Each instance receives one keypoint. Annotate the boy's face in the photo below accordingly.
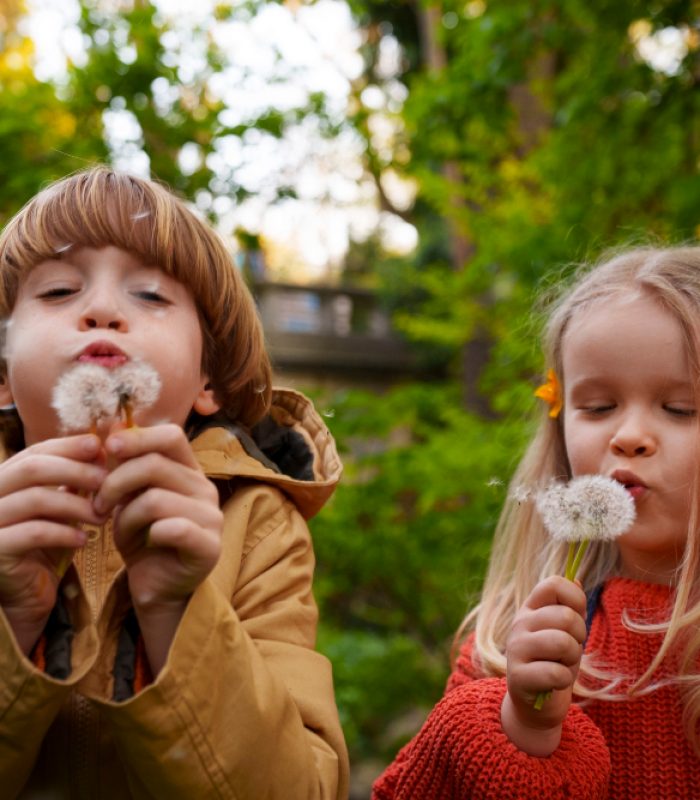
(102, 306)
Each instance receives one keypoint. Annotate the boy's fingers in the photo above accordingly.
(46, 469)
(169, 440)
(45, 503)
(39, 534)
(158, 505)
(153, 470)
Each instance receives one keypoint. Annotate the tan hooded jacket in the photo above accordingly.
(244, 707)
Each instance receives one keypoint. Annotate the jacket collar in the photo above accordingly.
(291, 449)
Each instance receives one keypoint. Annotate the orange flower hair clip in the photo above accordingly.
(550, 392)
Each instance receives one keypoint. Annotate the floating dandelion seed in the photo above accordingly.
(521, 494)
(83, 396)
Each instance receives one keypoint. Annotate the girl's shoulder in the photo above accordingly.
(466, 666)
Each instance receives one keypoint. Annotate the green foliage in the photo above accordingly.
(545, 139)
(403, 545)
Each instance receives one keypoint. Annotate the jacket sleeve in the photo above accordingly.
(462, 751)
(30, 699)
(244, 707)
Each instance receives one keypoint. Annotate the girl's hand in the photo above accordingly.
(167, 526)
(543, 652)
(42, 500)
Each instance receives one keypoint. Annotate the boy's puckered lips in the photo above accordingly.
(104, 353)
(633, 483)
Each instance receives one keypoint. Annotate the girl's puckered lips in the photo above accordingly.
(104, 353)
(633, 483)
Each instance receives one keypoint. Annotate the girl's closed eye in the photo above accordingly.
(597, 409)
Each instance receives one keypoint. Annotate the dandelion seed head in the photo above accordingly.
(84, 395)
(138, 383)
(590, 507)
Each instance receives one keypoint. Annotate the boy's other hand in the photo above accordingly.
(167, 525)
(543, 652)
(43, 498)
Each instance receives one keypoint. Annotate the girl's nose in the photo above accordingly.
(633, 438)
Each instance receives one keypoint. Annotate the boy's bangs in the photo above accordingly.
(97, 209)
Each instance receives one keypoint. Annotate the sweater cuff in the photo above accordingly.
(462, 751)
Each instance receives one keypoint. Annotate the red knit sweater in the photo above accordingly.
(628, 750)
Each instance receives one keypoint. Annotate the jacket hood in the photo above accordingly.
(291, 449)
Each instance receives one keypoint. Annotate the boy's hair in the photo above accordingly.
(99, 207)
(672, 277)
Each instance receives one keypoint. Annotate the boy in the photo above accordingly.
(174, 658)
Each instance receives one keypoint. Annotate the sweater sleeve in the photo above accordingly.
(244, 706)
(462, 751)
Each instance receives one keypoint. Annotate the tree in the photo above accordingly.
(539, 133)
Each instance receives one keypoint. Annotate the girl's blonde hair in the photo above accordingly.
(672, 277)
(99, 207)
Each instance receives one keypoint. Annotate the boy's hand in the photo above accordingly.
(167, 526)
(40, 509)
(543, 652)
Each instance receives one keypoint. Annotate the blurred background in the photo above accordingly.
(397, 180)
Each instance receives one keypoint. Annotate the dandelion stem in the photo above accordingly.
(570, 559)
(571, 575)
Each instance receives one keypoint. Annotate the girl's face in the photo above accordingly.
(629, 413)
(106, 307)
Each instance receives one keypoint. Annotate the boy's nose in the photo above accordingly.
(102, 312)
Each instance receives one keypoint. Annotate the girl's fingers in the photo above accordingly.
(561, 618)
(541, 676)
(557, 591)
(548, 645)
(46, 503)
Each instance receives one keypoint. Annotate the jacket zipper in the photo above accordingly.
(84, 719)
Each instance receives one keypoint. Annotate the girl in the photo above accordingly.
(620, 649)
(157, 625)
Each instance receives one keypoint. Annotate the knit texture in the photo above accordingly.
(613, 750)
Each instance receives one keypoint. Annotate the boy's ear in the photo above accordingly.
(205, 403)
(6, 398)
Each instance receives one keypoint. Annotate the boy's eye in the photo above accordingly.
(681, 411)
(151, 296)
(56, 293)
